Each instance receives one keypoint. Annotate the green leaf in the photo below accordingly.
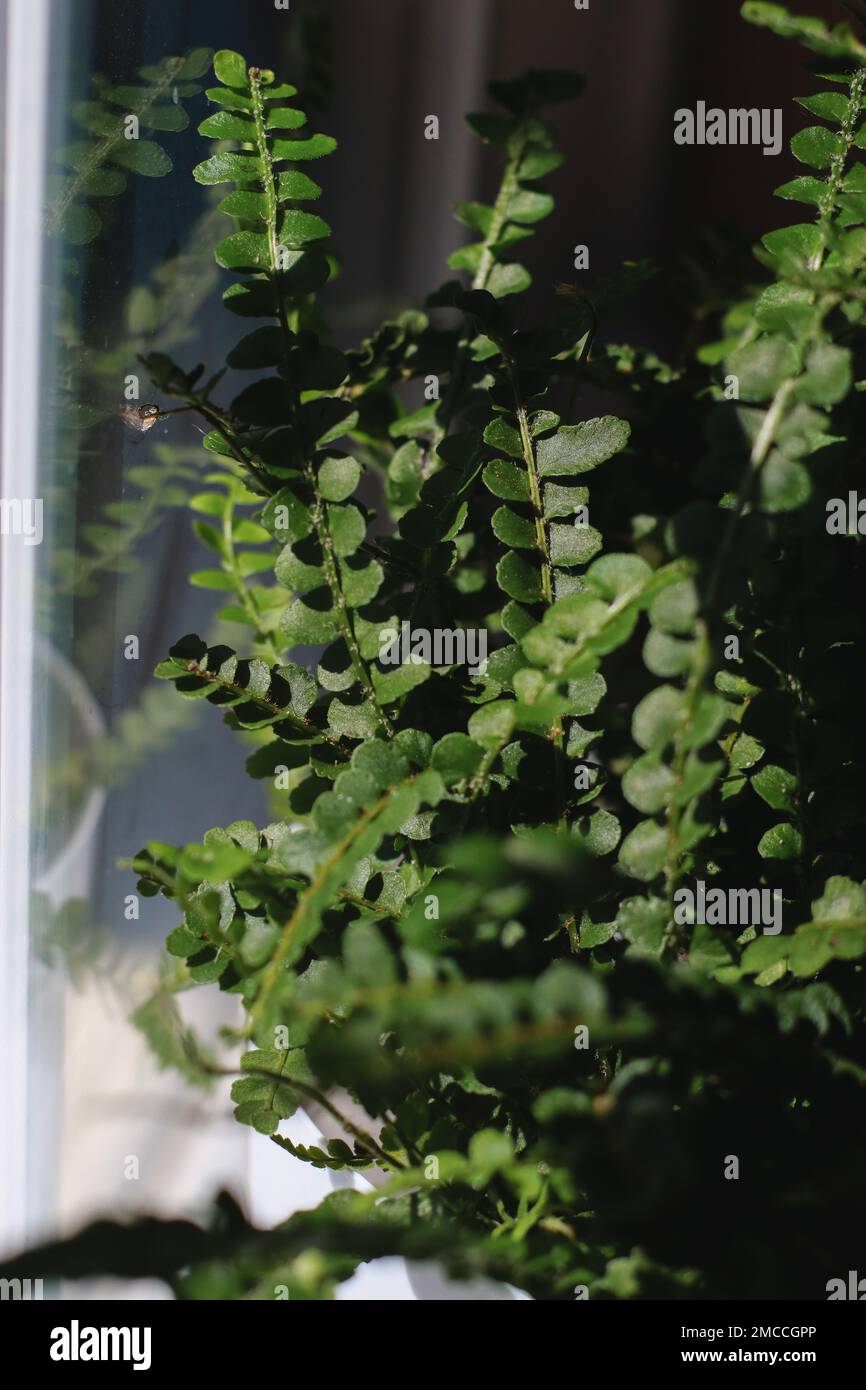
(809, 951)
(212, 579)
(213, 862)
(658, 717)
(244, 251)
(762, 366)
(295, 573)
(369, 964)
(297, 228)
(513, 530)
(800, 242)
(351, 721)
(211, 503)
(293, 184)
(309, 620)
(782, 841)
(504, 437)
(287, 516)
(361, 581)
(510, 278)
(592, 934)
(264, 347)
(209, 536)
(708, 715)
(841, 899)
(456, 758)
(830, 106)
(643, 922)
(745, 752)
(783, 484)
(777, 787)
(230, 68)
(539, 162)
(478, 216)
(507, 480)
(573, 545)
(648, 783)
(232, 100)
(542, 422)
(228, 167)
(338, 476)
(143, 157)
(493, 724)
(642, 853)
(261, 1101)
(708, 950)
(787, 309)
(563, 499)
(519, 579)
(284, 118)
(251, 299)
(347, 528)
(313, 148)
(840, 43)
(817, 146)
(228, 125)
(598, 833)
(613, 576)
(675, 608)
(493, 130)
(527, 206)
(80, 224)
(667, 656)
(804, 189)
(392, 685)
(827, 378)
(579, 448)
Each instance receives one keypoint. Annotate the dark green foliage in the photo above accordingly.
(465, 911)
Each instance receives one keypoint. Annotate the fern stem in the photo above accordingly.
(313, 1093)
(318, 511)
(507, 189)
(344, 618)
(300, 723)
(556, 734)
(271, 206)
(837, 166)
(541, 538)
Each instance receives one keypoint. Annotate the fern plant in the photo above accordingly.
(468, 909)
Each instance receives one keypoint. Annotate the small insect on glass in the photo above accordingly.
(142, 417)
